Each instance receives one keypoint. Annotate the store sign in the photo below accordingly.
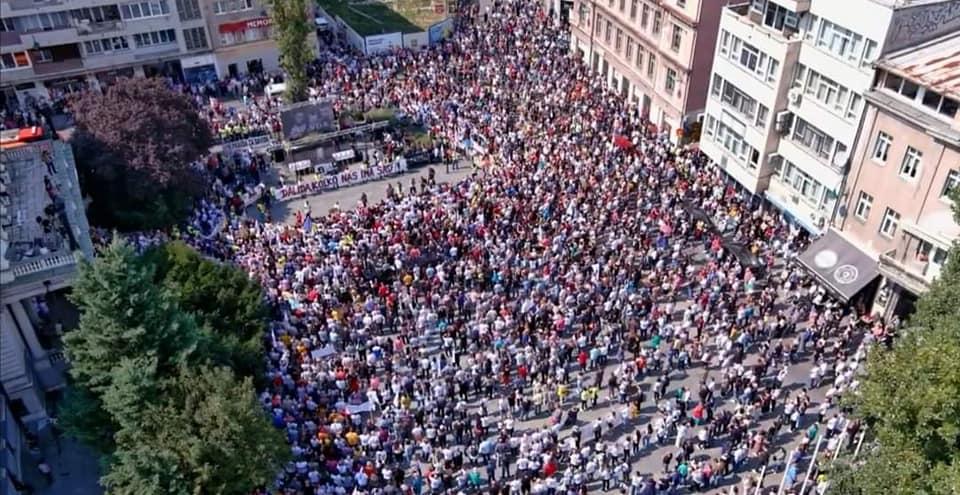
(234, 27)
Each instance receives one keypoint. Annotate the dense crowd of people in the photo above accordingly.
(533, 327)
(528, 329)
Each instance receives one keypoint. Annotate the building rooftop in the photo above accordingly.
(934, 64)
(42, 221)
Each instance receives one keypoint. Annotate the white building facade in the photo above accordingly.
(787, 92)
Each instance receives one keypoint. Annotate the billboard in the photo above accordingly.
(303, 119)
(383, 42)
(440, 30)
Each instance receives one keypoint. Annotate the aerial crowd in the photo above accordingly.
(590, 297)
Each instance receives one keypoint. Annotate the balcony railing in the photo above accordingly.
(10, 38)
(44, 68)
(84, 28)
(44, 264)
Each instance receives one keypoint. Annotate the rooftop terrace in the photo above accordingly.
(43, 227)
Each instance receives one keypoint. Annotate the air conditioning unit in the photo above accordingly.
(723, 160)
(83, 26)
(795, 95)
(795, 198)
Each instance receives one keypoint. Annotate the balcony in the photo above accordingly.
(10, 38)
(85, 27)
(756, 19)
(46, 68)
(914, 275)
(798, 6)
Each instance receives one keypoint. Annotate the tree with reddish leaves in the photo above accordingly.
(134, 146)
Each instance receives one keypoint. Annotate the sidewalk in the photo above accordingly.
(75, 467)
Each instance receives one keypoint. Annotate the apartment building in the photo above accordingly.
(12, 446)
(787, 98)
(657, 53)
(50, 45)
(906, 162)
(43, 235)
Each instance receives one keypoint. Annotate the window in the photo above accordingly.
(677, 38)
(836, 97)
(853, 108)
(843, 42)
(717, 85)
(15, 60)
(803, 183)
(42, 55)
(864, 203)
(651, 66)
(188, 9)
(670, 84)
(682, 3)
(107, 45)
(910, 167)
(772, 66)
(881, 149)
(657, 21)
(251, 34)
(47, 21)
(227, 6)
(888, 226)
(628, 53)
(195, 38)
(724, 42)
(711, 126)
(619, 42)
(951, 183)
(733, 142)
(639, 61)
(167, 36)
(813, 139)
(762, 113)
(738, 100)
(633, 9)
(622, 5)
(608, 32)
(144, 9)
(749, 57)
(7, 25)
(938, 103)
(645, 16)
(598, 28)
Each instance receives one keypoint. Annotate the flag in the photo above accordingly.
(308, 224)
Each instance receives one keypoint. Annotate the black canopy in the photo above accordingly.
(839, 264)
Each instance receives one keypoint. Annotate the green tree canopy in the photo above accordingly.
(208, 435)
(910, 398)
(228, 305)
(292, 25)
(131, 334)
(134, 146)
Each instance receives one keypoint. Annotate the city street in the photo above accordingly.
(650, 461)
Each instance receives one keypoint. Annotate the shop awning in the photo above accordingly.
(840, 265)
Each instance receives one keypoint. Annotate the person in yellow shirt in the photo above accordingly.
(562, 392)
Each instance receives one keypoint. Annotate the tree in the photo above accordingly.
(134, 147)
(227, 304)
(131, 334)
(910, 398)
(209, 435)
(292, 26)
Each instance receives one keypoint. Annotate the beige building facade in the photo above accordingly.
(657, 53)
(905, 165)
